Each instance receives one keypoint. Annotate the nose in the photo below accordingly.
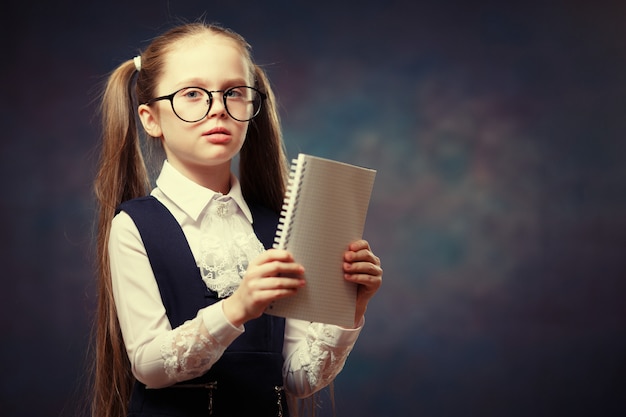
(218, 108)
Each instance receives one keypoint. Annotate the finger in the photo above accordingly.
(271, 255)
(370, 283)
(265, 297)
(271, 284)
(278, 268)
(364, 268)
(358, 245)
(363, 255)
(265, 290)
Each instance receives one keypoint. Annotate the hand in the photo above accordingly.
(361, 266)
(270, 276)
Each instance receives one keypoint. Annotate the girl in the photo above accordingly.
(186, 273)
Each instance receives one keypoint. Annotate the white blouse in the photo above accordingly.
(160, 356)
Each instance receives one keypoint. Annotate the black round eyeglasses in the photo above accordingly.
(192, 104)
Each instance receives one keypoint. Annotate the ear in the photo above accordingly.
(150, 121)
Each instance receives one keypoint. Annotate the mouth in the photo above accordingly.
(217, 135)
(217, 131)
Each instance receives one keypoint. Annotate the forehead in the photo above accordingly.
(208, 58)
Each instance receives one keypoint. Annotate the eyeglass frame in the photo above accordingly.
(170, 97)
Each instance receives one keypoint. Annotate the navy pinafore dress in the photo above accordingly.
(247, 379)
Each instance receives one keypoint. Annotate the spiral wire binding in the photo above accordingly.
(290, 203)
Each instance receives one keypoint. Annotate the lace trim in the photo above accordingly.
(223, 263)
(320, 361)
(189, 351)
(224, 254)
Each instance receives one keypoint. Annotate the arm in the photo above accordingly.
(315, 353)
(159, 356)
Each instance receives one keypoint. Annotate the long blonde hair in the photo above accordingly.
(122, 175)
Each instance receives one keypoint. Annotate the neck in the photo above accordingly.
(216, 178)
(218, 181)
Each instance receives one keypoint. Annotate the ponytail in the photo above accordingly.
(121, 176)
(263, 161)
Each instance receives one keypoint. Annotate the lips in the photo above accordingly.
(217, 135)
(217, 131)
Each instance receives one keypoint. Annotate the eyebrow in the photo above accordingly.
(199, 82)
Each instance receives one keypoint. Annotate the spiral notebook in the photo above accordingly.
(324, 209)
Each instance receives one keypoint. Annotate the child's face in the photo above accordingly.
(215, 63)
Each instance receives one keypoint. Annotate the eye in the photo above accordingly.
(236, 93)
(192, 94)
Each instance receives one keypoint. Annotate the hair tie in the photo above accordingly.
(137, 61)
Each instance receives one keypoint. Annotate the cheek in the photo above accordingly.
(172, 126)
(243, 132)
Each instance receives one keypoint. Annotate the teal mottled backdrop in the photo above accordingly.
(499, 209)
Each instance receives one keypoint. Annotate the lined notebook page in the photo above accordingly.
(324, 210)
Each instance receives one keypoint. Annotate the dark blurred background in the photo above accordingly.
(499, 210)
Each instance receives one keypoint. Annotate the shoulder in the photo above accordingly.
(141, 203)
(123, 231)
(124, 223)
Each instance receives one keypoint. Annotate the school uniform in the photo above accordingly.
(170, 271)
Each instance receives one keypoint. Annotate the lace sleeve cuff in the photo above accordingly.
(337, 336)
(192, 348)
(317, 353)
